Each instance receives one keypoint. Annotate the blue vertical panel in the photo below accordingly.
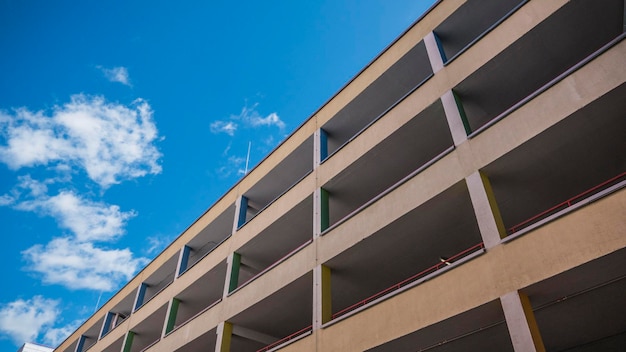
(106, 326)
(440, 46)
(80, 344)
(140, 295)
(184, 259)
(323, 145)
(243, 210)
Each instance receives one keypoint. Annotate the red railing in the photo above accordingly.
(566, 204)
(432, 269)
(285, 339)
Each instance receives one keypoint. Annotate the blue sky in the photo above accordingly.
(121, 122)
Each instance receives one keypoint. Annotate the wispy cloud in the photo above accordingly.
(88, 220)
(249, 117)
(78, 261)
(116, 74)
(77, 265)
(272, 119)
(54, 336)
(110, 142)
(23, 320)
(224, 127)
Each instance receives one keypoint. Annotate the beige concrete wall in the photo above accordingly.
(572, 240)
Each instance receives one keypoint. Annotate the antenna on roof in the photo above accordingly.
(247, 158)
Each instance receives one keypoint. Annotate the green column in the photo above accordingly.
(324, 210)
(234, 273)
(459, 105)
(128, 342)
(171, 319)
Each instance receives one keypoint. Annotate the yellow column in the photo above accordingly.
(224, 336)
(520, 320)
(486, 209)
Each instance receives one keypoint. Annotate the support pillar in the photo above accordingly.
(172, 311)
(435, 52)
(183, 260)
(486, 209)
(455, 115)
(520, 320)
(80, 344)
(141, 293)
(106, 325)
(322, 296)
(233, 265)
(224, 336)
(241, 210)
(128, 341)
(324, 210)
(321, 146)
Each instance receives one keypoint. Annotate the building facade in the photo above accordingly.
(464, 192)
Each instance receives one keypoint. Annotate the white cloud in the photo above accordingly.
(23, 320)
(224, 127)
(250, 118)
(110, 141)
(116, 74)
(269, 120)
(77, 265)
(54, 336)
(36, 188)
(234, 165)
(88, 220)
(6, 199)
(157, 243)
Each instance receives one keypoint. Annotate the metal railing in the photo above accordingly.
(444, 263)
(286, 339)
(565, 204)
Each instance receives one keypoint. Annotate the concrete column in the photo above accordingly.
(80, 344)
(486, 209)
(224, 336)
(455, 116)
(128, 341)
(320, 211)
(141, 293)
(233, 264)
(520, 320)
(435, 51)
(106, 325)
(322, 298)
(183, 260)
(324, 210)
(241, 210)
(320, 147)
(170, 321)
